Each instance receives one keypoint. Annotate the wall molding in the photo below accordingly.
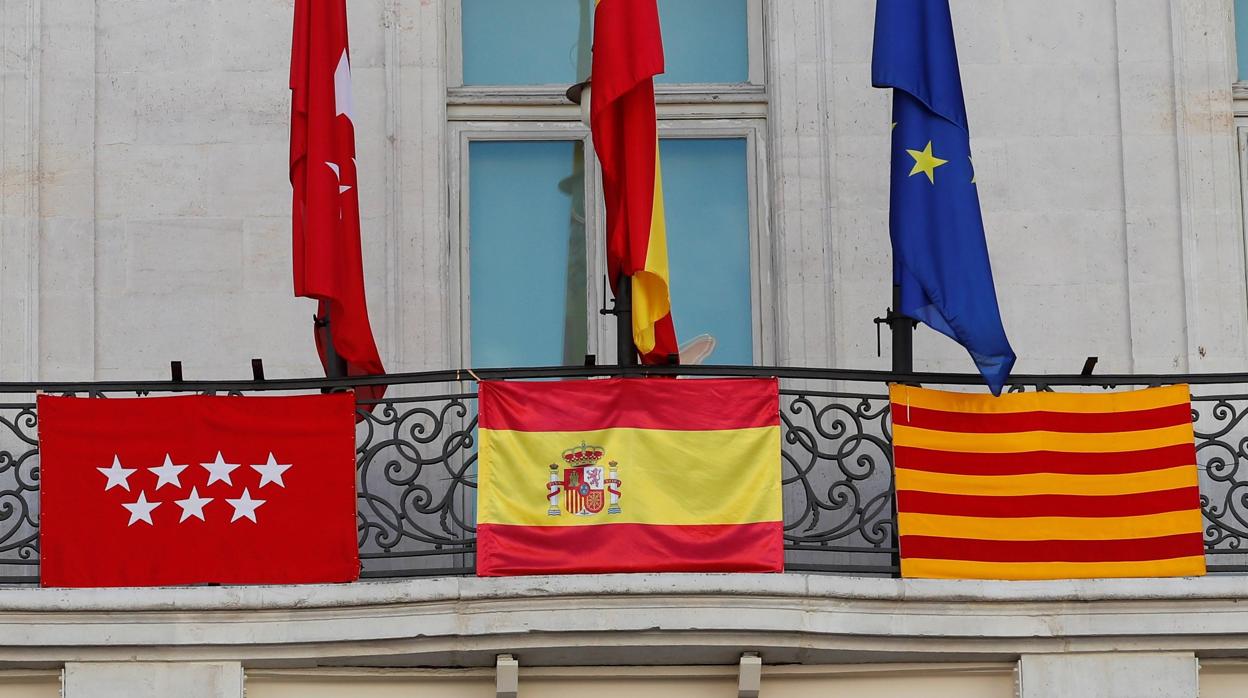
(1209, 185)
(641, 620)
(20, 45)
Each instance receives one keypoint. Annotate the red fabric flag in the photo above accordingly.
(641, 475)
(1047, 485)
(197, 489)
(628, 53)
(326, 213)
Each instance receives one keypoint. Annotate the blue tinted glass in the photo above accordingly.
(540, 42)
(708, 240)
(526, 42)
(704, 41)
(1241, 36)
(527, 252)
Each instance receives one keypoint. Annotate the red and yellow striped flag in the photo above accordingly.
(1046, 485)
(628, 53)
(629, 475)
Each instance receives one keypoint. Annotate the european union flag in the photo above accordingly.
(940, 258)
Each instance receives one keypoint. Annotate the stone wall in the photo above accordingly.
(673, 634)
(144, 199)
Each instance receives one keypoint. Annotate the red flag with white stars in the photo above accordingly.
(328, 261)
(197, 490)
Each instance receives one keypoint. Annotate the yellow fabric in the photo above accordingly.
(1046, 483)
(651, 287)
(1051, 527)
(1060, 441)
(977, 403)
(667, 477)
(961, 569)
(951, 524)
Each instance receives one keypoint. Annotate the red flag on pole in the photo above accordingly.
(197, 489)
(328, 262)
(628, 53)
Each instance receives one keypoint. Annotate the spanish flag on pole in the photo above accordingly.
(628, 53)
(629, 475)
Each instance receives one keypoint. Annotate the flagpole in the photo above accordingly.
(625, 350)
(902, 328)
(335, 365)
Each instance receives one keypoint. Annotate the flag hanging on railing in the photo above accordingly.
(629, 475)
(628, 53)
(197, 489)
(328, 260)
(940, 257)
(1046, 485)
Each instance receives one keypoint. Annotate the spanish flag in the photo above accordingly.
(628, 53)
(629, 475)
(1047, 485)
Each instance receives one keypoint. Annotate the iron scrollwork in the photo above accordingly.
(19, 492)
(837, 480)
(416, 459)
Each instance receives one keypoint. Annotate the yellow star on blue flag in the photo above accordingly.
(940, 257)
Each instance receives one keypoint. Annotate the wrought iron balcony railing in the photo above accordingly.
(416, 461)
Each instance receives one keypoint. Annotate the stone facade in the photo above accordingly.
(145, 198)
(817, 635)
(144, 218)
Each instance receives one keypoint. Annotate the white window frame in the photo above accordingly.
(458, 93)
(542, 113)
(600, 331)
(463, 134)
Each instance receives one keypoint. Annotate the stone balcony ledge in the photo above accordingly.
(625, 619)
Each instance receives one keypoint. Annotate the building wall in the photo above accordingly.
(676, 634)
(864, 681)
(145, 196)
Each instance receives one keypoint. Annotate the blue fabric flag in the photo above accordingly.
(940, 258)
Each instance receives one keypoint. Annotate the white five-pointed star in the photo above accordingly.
(219, 470)
(117, 476)
(141, 509)
(244, 506)
(192, 505)
(271, 471)
(168, 473)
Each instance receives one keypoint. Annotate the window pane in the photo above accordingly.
(705, 41)
(708, 238)
(526, 42)
(541, 42)
(527, 252)
(1241, 36)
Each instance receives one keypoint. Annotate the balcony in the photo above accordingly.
(416, 461)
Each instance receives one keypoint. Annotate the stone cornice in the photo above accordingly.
(627, 619)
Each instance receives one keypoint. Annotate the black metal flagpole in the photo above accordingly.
(335, 365)
(625, 349)
(902, 328)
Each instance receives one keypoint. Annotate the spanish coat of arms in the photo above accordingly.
(587, 486)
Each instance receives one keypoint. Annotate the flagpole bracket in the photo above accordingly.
(896, 322)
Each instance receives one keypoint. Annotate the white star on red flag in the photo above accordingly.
(192, 506)
(117, 475)
(271, 471)
(140, 509)
(168, 473)
(245, 506)
(219, 470)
